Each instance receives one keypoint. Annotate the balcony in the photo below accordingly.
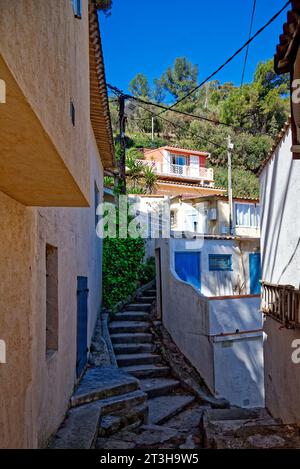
(32, 170)
(282, 303)
(181, 171)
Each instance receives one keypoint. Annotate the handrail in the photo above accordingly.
(281, 302)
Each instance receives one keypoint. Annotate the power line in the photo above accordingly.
(184, 129)
(115, 90)
(232, 56)
(247, 49)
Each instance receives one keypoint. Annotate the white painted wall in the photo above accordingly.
(280, 240)
(239, 371)
(234, 314)
(238, 356)
(220, 283)
(231, 365)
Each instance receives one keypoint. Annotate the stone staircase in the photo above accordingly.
(106, 400)
(135, 352)
(141, 392)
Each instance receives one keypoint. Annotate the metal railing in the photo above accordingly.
(281, 302)
(206, 174)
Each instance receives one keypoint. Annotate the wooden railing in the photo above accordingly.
(281, 302)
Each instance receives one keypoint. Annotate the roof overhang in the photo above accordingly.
(99, 107)
(289, 40)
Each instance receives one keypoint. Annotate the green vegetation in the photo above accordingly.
(124, 268)
(258, 109)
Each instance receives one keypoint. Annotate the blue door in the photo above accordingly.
(255, 273)
(187, 267)
(82, 318)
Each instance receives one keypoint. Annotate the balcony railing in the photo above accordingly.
(168, 169)
(281, 302)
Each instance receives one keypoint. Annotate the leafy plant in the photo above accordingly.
(122, 268)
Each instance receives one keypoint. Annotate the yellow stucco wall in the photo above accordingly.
(46, 49)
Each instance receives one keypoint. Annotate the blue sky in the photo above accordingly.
(145, 36)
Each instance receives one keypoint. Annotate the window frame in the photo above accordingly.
(77, 8)
(256, 216)
(174, 156)
(218, 269)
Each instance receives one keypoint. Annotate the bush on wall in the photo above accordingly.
(123, 269)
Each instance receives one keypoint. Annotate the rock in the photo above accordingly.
(80, 428)
(189, 443)
(154, 435)
(265, 442)
(112, 443)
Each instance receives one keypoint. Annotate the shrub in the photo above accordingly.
(122, 268)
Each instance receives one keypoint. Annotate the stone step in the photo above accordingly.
(163, 408)
(159, 386)
(114, 404)
(147, 371)
(145, 299)
(137, 359)
(131, 338)
(99, 383)
(151, 292)
(110, 424)
(132, 316)
(80, 428)
(133, 348)
(119, 327)
(138, 307)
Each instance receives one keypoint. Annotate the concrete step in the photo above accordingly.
(145, 299)
(119, 327)
(151, 292)
(80, 428)
(111, 405)
(163, 408)
(147, 371)
(159, 386)
(132, 316)
(133, 348)
(131, 338)
(110, 424)
(137, 359)
(138, 307)
(99, 383)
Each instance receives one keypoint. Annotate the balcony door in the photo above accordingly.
(178, 164)
(194, 166)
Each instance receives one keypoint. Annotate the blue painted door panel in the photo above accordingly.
(188, 268)
(82, 319)
(255, 273)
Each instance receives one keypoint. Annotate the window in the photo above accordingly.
(173, 218)
(76, 4)
(247, 215)
(51, 300)
(220, 262)
(178, 159)
(72, 112)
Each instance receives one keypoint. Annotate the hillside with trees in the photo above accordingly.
(251, 114)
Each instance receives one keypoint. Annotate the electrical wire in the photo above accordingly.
(251, 39)
(165, 108)
(247, 49)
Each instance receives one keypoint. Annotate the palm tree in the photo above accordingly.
(134, 171)
(150, 179)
